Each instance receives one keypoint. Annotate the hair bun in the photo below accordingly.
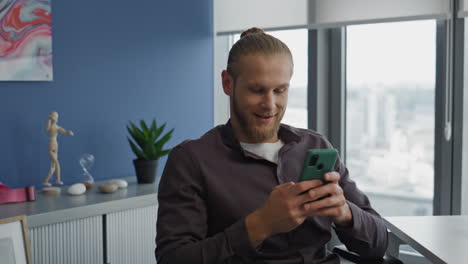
(253, 30)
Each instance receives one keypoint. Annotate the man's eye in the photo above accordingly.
(257, 91)
(279, 91)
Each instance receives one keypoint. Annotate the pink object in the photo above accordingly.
(8, 195)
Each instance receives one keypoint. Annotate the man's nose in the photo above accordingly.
(268, 101)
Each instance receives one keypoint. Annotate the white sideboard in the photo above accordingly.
(91, 228)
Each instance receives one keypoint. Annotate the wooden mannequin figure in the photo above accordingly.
(53, 129)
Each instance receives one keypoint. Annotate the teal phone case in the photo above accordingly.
(317, 163)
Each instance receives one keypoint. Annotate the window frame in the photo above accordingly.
(448, 154)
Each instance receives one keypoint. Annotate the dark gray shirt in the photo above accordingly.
(211, 184)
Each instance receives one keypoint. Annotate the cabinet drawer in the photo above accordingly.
(78, 241)
(131, 235)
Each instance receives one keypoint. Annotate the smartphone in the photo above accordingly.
(317, 163)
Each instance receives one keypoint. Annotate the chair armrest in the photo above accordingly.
(353, 257)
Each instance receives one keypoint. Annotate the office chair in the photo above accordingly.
(391, 255)
(355, 258)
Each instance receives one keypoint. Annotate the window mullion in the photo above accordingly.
(317, 98)
(458, 94)
(327, 80)
(443, 148)
(337, 98)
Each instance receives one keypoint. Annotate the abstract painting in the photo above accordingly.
(25, 40)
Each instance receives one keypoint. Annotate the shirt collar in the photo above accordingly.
(286, 134)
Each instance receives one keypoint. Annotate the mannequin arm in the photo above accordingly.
(63, 131)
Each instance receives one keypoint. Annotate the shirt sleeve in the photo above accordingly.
(367, 236)
(182, 219)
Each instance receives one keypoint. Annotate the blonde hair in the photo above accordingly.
(252, 42)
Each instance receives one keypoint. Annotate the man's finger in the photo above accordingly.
(330, 189)
(304, 186)
(327, 211)
(329, 202)
(285, 185)
(307, 197)
(332, 176)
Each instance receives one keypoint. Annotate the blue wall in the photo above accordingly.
(114, 61)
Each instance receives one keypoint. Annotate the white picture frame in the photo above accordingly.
(14, 241)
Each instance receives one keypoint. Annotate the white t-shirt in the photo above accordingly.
(268, 151)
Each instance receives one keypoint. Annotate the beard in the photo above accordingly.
(249, 127)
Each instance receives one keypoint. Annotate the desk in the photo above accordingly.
(441, 239)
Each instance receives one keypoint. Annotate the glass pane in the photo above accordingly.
(390, 102)
(297, 41)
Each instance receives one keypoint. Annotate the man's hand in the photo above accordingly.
(290, 204)
(329, 200)
(282, 212)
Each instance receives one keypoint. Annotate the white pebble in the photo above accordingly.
(77, 189)
(108, 188)
(121, 183)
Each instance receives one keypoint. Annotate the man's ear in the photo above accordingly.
(228, 83)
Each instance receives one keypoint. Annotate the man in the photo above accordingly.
(233, 195)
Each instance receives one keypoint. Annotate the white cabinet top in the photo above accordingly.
(54, 209)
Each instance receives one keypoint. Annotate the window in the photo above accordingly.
(390, 114)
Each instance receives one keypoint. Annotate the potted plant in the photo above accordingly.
(147, 144)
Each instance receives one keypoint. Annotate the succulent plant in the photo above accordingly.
(147, 143)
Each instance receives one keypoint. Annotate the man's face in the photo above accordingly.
(259, 96)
